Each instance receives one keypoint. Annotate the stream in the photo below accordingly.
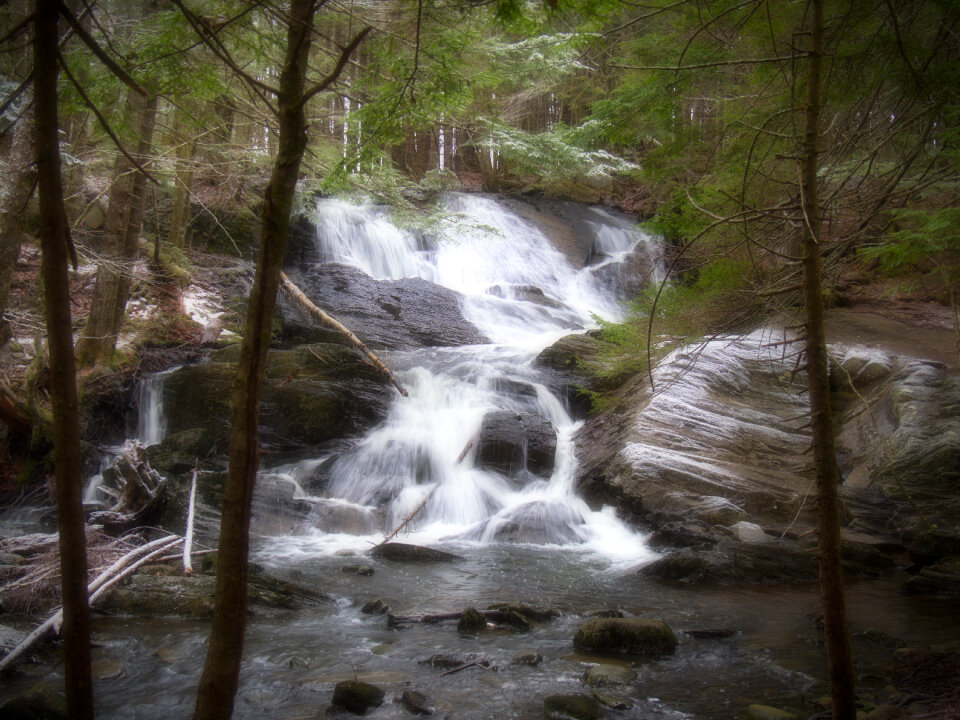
(524, 535)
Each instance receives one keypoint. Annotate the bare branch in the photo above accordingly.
(99, 52)
(341, 63)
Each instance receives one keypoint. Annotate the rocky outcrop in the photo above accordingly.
(391, 314)
(717, 454)
(510, 443)
(312, 394)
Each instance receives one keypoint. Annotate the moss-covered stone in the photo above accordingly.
(633, 636)
(471, 621)
(570, 707)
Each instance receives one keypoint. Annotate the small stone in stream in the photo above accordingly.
(614, 702)
(530, 658)
(40, 702)
(570, 707)
(605, 676)
(345, 552)
(375, 607)
(364, 570)
(471, 621)
(356, 696)
(417, 703)
(765, 712)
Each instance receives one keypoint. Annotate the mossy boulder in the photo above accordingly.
(471, 621)
(356, 696)
(38, 703)
(311, 395)
(631, 636)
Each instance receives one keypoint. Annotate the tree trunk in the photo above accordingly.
(824, 452)
(221, 671)
(121, 236)
(55, 242)
(18, 183)
(183, 179)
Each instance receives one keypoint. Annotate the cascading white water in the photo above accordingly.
(522, 293)
(151, 425)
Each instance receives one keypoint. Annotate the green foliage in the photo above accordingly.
(925, 245)
(684, 311)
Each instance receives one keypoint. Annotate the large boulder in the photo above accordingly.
(312, 394)
(511, 443)
(392, 314)
(569, 367)
(736, 562)
(630, 636)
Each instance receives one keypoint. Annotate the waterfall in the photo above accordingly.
(523, 293)
(151, 426)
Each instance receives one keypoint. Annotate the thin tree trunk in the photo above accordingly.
(837, 634)
(221, 671)
(55, 242)
(182, 180)
(122, 230)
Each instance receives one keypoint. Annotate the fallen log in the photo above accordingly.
(188, 537)
(116, 572)
(331, 322)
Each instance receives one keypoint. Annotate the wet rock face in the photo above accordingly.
(391, 314)
(312, 394)
(718, 454)
(511, 442)
(567, 365)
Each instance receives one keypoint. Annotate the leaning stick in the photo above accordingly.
(418, 508)
(331, 322)
(188, 537)
(95, 590)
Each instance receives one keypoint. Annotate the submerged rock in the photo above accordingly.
(633, 636)
(765, 712)
(416, 702)
(940, 578)
(570, 707)
(411, 553)
(606, 676)
(356, 696)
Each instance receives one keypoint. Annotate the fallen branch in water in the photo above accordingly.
(331, 322)
(126, 565)
(485, 664)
